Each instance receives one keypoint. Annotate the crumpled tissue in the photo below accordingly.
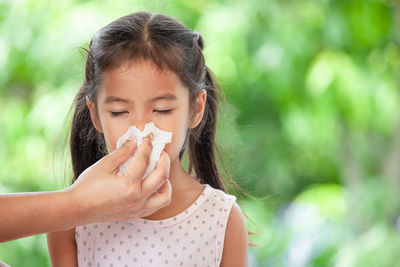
(159, 139)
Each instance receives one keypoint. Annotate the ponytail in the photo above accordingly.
(87, 145)
(202, 139)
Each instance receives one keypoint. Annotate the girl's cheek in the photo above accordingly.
(178, 139)
(111, 142)
(112, 133)
(168, 148)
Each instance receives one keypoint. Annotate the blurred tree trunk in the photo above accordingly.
(391, 163)
(351, 169)
(351, 175)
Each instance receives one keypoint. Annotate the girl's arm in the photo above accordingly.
(235, 243)
(62, 248)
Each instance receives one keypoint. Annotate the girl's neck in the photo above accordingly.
(180, 180)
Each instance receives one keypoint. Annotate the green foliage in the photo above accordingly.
(311, 123)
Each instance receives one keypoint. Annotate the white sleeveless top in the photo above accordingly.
(195, 237)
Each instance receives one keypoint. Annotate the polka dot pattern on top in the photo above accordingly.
(194, 237)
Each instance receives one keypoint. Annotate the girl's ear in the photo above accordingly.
(200, 105)
(93, 116)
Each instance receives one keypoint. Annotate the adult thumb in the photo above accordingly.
(112, 161)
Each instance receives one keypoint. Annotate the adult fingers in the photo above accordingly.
(112, 161)
(141, 160)
(160, 198)
(157, 177)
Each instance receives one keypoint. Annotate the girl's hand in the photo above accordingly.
(101, 193)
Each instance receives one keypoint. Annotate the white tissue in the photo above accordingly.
(159, 140)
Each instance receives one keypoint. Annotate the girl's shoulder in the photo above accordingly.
(216, 202)
(217, 206)
(218, 195)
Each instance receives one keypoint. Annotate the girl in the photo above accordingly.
(142, 68)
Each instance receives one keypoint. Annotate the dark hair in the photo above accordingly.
(169, 45)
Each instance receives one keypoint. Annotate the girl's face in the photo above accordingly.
(138, 93)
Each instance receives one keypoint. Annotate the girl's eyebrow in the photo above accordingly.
(167, 96)
(111, 99)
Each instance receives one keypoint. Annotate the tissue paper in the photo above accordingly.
(159, 140)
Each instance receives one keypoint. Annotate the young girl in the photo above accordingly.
(150, 68)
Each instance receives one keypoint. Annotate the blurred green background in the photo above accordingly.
(311, 123)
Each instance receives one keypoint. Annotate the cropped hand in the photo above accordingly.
(102, 193)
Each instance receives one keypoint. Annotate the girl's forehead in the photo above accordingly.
(141, 79)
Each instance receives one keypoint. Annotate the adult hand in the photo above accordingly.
(101, 193)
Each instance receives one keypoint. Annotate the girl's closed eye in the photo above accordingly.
(117, 113)
(164, 112)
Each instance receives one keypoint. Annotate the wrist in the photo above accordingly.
(76, 211)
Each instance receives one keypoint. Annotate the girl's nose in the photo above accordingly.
(140, 119)
(140, 123)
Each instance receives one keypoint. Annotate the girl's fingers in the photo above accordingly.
(141, 160)
(157, 178)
